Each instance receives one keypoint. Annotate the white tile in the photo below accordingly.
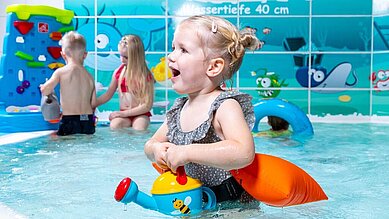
(5, 3)
(52, 3)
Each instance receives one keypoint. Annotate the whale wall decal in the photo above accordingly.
(321, 80)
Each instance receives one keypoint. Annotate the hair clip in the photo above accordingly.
(214, 27)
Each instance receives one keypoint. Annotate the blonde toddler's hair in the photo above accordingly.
(74, 45)
(220, 38)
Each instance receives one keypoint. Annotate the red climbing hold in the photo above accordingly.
(54, 51)
(23, 26)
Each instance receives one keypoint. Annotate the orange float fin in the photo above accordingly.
(278, 182)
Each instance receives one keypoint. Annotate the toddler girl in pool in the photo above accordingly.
(209, 130)
(135, 84)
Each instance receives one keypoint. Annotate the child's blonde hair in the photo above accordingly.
(140, 82)
(74, 45)
(222, 39)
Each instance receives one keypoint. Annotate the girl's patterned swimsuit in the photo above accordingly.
(205, 133)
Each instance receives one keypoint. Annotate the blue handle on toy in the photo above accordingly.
(211, 198)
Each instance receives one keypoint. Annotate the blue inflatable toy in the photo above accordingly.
(281, 108)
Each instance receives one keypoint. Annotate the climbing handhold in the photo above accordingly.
(54, 51)
(23, 26)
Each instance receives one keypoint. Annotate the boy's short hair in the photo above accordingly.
(73, 44)
(278, 123)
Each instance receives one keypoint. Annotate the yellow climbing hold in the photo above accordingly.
(55, 65)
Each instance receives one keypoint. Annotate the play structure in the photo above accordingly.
(31, 54)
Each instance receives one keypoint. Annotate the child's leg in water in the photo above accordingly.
(118, 123)
(140, 122)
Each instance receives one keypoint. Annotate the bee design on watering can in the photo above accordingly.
(182, 206)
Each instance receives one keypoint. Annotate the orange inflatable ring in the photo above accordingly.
(277, 182)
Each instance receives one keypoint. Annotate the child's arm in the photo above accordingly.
(142, 108)
(109, 93)
(48, 87)
(236, 151)
(155, 148)
(93, 98)
(138, 110)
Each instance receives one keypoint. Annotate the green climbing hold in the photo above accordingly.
(24, 56)
(35, 64)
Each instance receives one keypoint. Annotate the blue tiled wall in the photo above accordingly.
(328, 57)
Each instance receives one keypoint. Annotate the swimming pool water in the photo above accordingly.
(76, 176)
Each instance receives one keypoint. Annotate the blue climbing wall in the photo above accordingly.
(31, 54)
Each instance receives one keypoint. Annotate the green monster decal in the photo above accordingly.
(268, 83)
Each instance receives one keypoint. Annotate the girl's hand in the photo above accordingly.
(159, 151)
(113, 115)
(176, 157)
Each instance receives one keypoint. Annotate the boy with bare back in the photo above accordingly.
(77, 88)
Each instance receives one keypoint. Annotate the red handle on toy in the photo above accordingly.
(181, 176)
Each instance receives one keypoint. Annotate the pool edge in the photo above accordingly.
(8, 213)
(22, 136)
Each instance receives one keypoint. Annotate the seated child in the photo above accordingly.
(135, 84)
(77, 88)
